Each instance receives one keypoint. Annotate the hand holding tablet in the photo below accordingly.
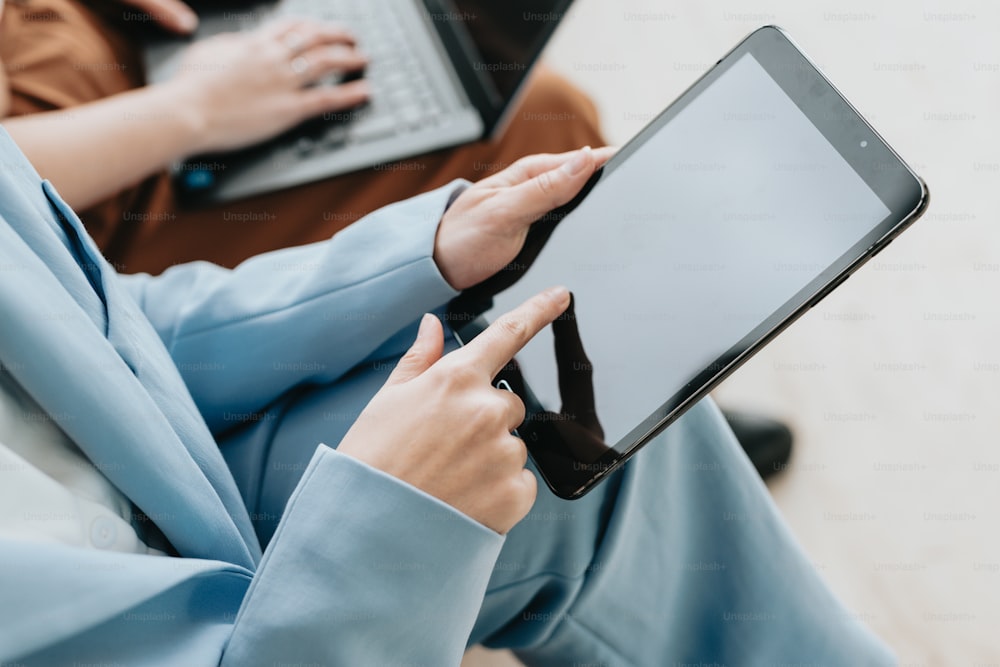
(738, 208)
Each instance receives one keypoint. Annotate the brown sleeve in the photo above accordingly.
(60, 54)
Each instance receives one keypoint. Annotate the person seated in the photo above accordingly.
(275, 465)
(78, 69)
(83, 70)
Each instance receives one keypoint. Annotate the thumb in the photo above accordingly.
(551, 189)
(174, 15)
(424, 352)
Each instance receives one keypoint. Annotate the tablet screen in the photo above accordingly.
(680, 251)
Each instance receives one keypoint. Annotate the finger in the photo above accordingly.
(491, 350)
(603, 154)
(324, 60)
(518, 451)
(515, 409)
(550, 189)
(299, 35)
(322, 99)
(173, 15)
(319, 62)
(524, 453)
(533, 165)
(524, 492)
(530, 494)
(426, 350)
(525, 168)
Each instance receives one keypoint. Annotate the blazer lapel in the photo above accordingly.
(140, 347)
(118, 397)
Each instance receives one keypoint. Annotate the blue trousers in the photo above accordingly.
(680, 558)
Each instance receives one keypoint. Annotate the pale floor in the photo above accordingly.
(892, 383)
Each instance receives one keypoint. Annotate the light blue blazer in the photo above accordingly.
(140, 371)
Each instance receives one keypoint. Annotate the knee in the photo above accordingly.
(58, 54)
(556, 113)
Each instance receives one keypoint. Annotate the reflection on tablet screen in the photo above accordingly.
(704, 231)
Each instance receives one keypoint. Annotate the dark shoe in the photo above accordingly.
(768, 442)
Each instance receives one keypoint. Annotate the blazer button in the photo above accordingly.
(103, 532)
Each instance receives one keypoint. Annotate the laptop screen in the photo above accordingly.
(508, 36)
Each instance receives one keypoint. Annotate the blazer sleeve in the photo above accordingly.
(299, 315)
(363, 570)
(409, 583)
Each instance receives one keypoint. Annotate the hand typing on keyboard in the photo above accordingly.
(243, 88)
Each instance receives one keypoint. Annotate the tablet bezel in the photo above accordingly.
(896, 185)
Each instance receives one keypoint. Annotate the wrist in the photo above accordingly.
(187, 119)
(441, 260)
(447, 260)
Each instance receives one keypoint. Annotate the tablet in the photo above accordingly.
(744, 203)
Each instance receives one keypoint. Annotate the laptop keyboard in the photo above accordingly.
(403, 98)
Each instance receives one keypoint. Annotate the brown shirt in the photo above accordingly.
(61, 53)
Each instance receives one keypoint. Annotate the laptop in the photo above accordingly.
(442, 73)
